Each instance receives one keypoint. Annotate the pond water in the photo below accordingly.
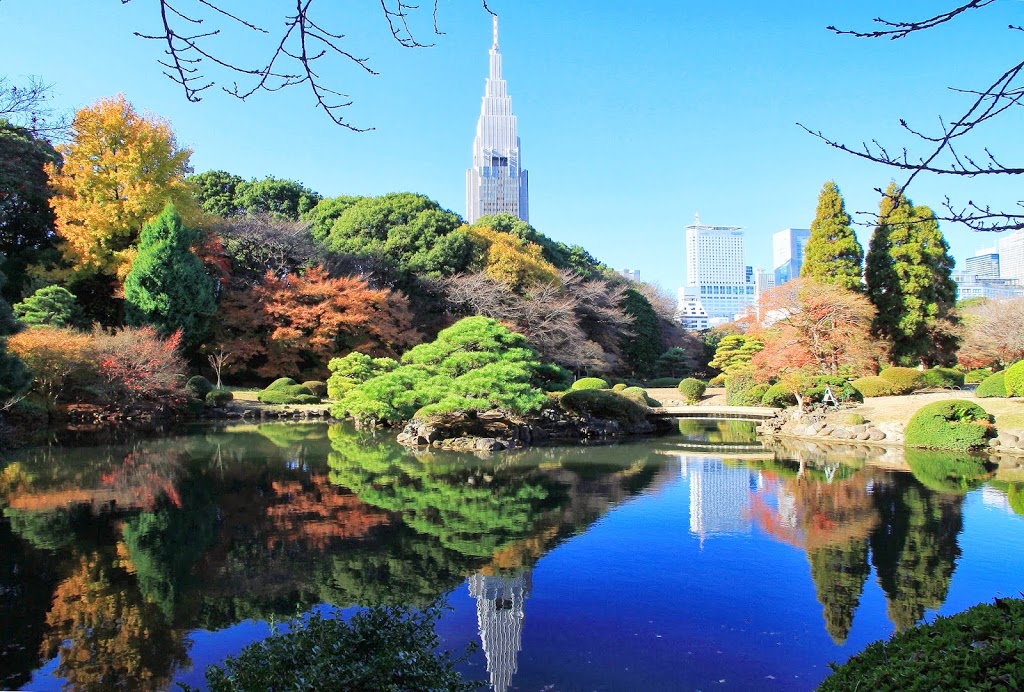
(693, 561)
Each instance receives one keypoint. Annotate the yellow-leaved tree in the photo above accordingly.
(505, 258)
(119, 169)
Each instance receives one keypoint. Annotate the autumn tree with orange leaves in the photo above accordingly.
(294, 325)
(818, 329)
(119, 169)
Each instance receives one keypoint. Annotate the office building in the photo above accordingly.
(984, 265)
(1011, 256)
(716, 274)
(788, 253)
(497, 182)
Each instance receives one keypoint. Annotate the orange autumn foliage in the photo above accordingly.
(293, 326)
(119, 169)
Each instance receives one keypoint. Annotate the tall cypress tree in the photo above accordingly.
(167, 286)
(832, 254)
(909, 280)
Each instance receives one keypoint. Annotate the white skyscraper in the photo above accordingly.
(716, 274)
(788, 253)
(1011, 256)
(497, 183)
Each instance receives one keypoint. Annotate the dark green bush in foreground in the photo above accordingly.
(692, 389)
(992, 386)
(978, 649)
(384, 648)
(954, 424)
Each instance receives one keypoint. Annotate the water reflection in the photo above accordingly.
(111, 557)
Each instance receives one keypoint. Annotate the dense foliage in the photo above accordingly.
(589, 383)
(285, 390)
(953, 424)
(832, 254)
(475, 365)
(873, 385)
(735, 351)
(976, 649)
(382, 648)
(1014, 379)
(949, 378)
(51, 306)
(14, 377)
(992, 386)
(903, 380)
(692, 389)
(625, 407)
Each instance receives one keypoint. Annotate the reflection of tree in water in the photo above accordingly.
(106, 634)
(914, 547)
(831, 521)
(468, 509)
(945, 472)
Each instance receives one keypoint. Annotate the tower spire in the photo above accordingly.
(495, 45)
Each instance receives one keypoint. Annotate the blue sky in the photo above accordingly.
(631, 119)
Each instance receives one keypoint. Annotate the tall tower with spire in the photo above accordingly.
(497, 183)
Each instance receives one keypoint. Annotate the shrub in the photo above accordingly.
(692, 390)
(623, 407)
(659, 382)
(552, 377)
(755, 394)
(943, 377)
(717, 380)
(851, 419)
(778, 396)
(738, 385)
(198, 387)
(287, 394)
(954, 424)
(992, 386)
(976, 649)
(640, 394)
(317, 387)
(382, 648)
(281, 383)
(218, 397)
(618, 387)
(977, 376)
(874, 386)
(1014, 381)
(842, 389)
(589, 383)
(904, 380)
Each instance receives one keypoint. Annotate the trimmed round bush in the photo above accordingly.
(589, 383)
(604, 403)
(618, 387)
(977, 376)
(280, 383)
(954, 424)
(778, 396)
(992, 386)
(198, 387)
(640, 394)
(317, 387)
(943, 377)
(978, 649)
(874, 386)
(692, 389)
(288, 394)
(904, 380)
(1015, 379)
(717, 381)
(218, 397)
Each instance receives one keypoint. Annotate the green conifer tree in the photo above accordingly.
(909, 280)
(832, 254)
(167, 286)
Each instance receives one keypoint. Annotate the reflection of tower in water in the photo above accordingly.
(719, 495)
(499, 614)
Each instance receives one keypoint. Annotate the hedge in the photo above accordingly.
(198, 387)
(977, 649)
(604, 403)
(778, 396)
(905, 380)
(287, 394)
(1015, 379)
(992, 386)
(977, 376)
(943, 377)
(589, 383)
(692, 389)
(874, 386)
(662, 382)
(954, 424)
(742, 390)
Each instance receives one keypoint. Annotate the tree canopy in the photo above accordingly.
(832, 254)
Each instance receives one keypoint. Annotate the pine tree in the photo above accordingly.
(832, 254)
(167, 286)
(909, 280)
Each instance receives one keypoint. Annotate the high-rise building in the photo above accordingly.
(497, 183)
(1011, 256)
(716, 274)
(788, 253)
(983, 265)
(631, 274)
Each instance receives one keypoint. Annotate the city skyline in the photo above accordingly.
(632, 125)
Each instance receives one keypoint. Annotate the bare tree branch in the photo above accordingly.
(28, 105)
